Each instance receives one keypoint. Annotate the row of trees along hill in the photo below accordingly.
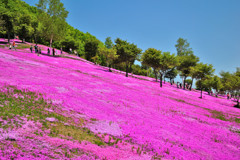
(46, 24)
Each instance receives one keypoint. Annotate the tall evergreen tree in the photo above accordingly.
(109, 43)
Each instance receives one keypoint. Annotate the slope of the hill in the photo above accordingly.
(166, 122)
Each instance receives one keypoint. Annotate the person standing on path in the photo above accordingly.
(48, 51)
(31, 48)
(53, 52)
(14, 47)
(36, 48)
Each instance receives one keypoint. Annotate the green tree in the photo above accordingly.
(151, 58)
(185, 64)
(188, 81)
(182, 47)
(91, 48)
(186, 58)
(216, 83)
(193, 74)
(110, 54)
(55, 20)
(203, 72)
(25, 29)
(204, 85)
(138, 70)
(235, 81)
(171, 74)
(109, 43)
(231, 83)
(167, 62)
(225, 79)
(7, 17)
(127, 52)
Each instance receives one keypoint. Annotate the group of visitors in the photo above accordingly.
(12, 46)
(187, 86)
(39, 50)
(230, 96)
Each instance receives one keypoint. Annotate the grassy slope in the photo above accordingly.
(166, 122)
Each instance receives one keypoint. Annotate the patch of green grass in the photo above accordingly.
(93, 119)
(22, 46)
(17, 102)
(74, 132)
(3, 46)
(237, 120)
(218, 115)
(31, 105)
(178, 100)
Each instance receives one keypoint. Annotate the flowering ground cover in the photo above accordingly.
(66, 107)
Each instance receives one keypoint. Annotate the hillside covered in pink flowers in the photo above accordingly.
(65, 107)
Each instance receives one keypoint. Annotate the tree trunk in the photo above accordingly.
(8, 37)
(130, 68)
(238, 96)
(51, 41)
(126, 70)
(155, 73)
(184, 82)
(201, 88)
(191, 84)
(109, 67)
(164, 79)
(161, 77)
(170, 81)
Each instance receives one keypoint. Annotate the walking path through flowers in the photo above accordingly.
(164, 122)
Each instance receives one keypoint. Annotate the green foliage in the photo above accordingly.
(127, 52)
(205, 85)
(54, 21)
(203, 72)
(138, 70)
(109, 43)
(216, 83)
(160, 62)
(182, 47)
(188, 81)
(171, 74)
(151, 58)
(91, 48)
(186, 59)
(185, 64)
(167, 62)
(41, 24)
(109, 53)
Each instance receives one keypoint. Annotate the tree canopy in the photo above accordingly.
(203, 72)
(151, 58)
(127, 52)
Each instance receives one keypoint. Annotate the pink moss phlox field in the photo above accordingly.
(171, 122)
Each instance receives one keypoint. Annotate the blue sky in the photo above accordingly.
(212, 27)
